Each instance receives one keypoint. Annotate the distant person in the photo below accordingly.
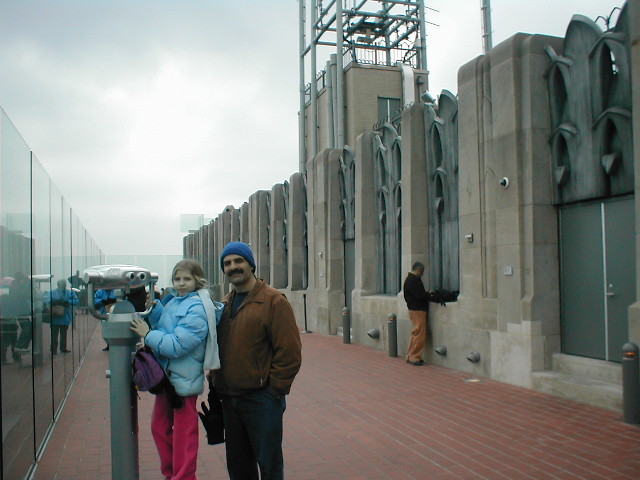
(59, 303)
(178, 338)
(104, 300)
(8, 331)
(417, 299)
(260, 355)
(19, 307)
(138, 298)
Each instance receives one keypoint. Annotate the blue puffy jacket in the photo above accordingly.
(178, 338)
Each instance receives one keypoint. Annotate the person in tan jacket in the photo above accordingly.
(260, 355)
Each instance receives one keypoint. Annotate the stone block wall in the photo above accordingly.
(508, 309)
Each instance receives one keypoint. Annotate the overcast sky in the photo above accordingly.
(142, 110)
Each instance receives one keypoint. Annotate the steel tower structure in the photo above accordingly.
(375, 32)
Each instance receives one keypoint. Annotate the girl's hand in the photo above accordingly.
(140, 327)
(149, 302)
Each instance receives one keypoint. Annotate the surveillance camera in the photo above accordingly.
(504, 182)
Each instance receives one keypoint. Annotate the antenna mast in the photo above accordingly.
(487, 37)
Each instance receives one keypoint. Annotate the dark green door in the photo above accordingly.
(597, 258)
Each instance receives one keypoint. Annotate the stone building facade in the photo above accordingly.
(519, 193)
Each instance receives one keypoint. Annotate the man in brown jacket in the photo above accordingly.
(260, 355)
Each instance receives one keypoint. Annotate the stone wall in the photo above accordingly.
(489, 148)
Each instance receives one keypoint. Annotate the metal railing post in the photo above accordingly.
(392, 329)
(630, 384)
(304, 299)
(346, 326)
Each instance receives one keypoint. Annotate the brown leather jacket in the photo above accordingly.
(260, 346)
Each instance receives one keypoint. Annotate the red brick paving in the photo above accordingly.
(356, 414)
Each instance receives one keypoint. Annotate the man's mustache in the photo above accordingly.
(233, 272)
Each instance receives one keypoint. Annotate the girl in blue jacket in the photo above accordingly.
(181, 340)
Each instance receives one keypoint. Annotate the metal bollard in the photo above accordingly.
(304, 299)
(392, 329)
(630, 384)
(346, 326)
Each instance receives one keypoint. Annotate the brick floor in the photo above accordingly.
(356, 414)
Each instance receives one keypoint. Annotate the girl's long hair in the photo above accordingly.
(194, 269)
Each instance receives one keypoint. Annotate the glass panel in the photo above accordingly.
(43, 395)
(84, 323)
(59, 275)
(66, 338)
(15, 301)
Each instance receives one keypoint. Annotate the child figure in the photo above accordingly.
(184, 344)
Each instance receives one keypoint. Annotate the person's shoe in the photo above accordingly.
(417, 363)
(65, 351)
(106, 349)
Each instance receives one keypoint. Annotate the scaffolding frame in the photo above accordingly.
(376, 32)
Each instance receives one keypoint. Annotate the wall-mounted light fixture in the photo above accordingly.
(473, 357)
(441, 350)
(374, 333)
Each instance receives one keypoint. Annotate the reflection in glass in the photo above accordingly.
(15, 246)
(42, 243)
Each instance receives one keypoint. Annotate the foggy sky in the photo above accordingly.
(141, 110)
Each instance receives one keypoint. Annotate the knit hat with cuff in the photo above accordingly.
(238, 248)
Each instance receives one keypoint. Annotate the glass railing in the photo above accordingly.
(43, 247)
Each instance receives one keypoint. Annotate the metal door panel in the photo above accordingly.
(583, 329)
(620, 282)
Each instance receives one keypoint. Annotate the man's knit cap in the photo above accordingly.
(238, 248)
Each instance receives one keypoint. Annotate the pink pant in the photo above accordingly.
(418, 335)
(175, 432)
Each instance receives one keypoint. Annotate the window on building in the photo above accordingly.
(388, 108)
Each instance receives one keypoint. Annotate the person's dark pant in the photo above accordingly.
(58, 331)
(253, 435)
(25, 332)
(8, 336)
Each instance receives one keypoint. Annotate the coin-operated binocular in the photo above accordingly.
(110, 277)
(121, 340)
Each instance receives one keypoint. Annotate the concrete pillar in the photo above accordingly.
(259, 232)
(235, 224)
(366, 221)
(414, 192)
(244, 223)
(297, 232)
(277, 233)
